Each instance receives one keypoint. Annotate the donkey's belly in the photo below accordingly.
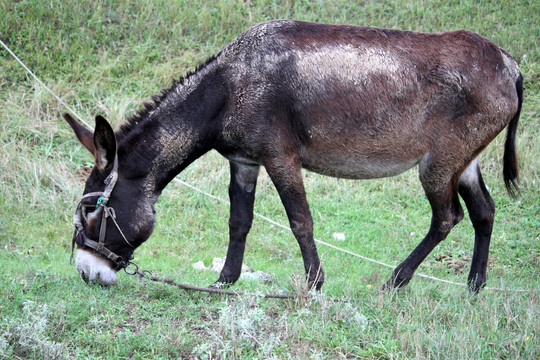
(356, 167)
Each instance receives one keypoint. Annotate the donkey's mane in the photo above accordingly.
(149, 106)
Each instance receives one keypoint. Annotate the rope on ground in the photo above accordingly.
(256, 214)
(219, 291)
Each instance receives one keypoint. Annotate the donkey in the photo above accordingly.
(344, 101)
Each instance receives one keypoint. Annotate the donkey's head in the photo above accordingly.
(113, 216)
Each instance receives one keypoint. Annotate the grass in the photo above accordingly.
(107, 57)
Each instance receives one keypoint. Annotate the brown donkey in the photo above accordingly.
(345, 101)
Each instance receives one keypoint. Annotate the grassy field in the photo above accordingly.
(108, 56)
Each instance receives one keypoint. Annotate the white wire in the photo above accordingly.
(45, 86)
(348, 251)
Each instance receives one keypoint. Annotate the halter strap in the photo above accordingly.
(79, 235)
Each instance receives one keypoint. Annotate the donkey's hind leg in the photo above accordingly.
(242, 196)
(481, 211)
(446, 212)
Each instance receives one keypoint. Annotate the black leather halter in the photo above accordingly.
(79, 234)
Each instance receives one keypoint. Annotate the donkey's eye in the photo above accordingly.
(88, 211)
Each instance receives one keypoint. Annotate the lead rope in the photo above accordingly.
(258, 215)
(146, 274)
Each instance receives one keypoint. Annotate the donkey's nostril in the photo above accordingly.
(84, 277)
(95, 268)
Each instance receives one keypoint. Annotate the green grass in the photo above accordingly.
(107, 57)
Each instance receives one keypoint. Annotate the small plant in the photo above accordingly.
(27, 337)
(242, 326)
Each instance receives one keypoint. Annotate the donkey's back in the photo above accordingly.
(362, 102)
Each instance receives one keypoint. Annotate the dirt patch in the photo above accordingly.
(457, 264)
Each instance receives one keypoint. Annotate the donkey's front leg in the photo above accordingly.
(287, 178)
(242, 195)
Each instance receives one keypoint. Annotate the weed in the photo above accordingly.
(27, 336)
(243, 329)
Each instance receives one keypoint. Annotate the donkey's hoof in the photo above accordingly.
(390, 286)
(394, 284)
(476, 282)
(315, 286)
(387, 286)
(219, 285)
(474, 287)
(316, 282)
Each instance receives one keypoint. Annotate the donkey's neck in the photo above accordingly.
(179, 127)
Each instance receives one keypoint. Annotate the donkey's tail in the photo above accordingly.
(510, 162)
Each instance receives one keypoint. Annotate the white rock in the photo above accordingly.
(199, 265)
(218, 263)
(255, 276)
(339, 236)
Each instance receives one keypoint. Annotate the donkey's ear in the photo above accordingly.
(105, 144)
(84, 135)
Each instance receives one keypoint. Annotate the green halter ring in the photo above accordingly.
(101, 200)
